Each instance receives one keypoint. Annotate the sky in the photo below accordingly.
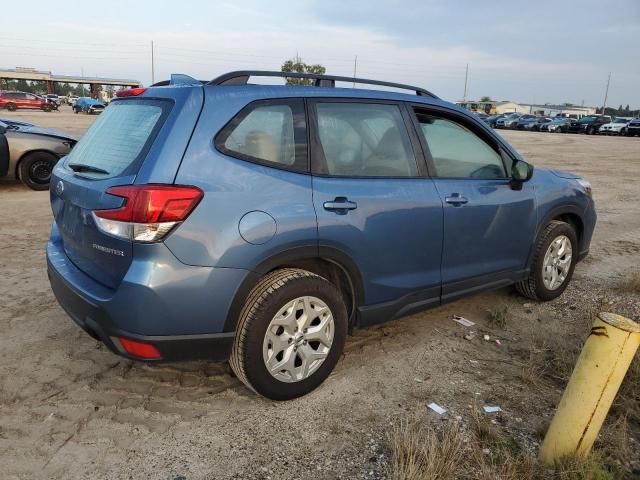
(542, 51)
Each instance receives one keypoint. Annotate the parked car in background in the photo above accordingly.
(30, 153)
(522, 121)
(536, 124)
(592, 123)
(15, 100)
(88, 105)
(481, 115)
(492, 119)
(558, 125)
(617, 126)
(508, 120)
(260, 223)
(633, 128)
(566, 115)
(72, 99)
(53, 98)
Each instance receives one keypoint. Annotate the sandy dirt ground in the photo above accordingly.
(71, 409)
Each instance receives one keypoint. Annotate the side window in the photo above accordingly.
(363, 140)
(457, 152)
(271, 132)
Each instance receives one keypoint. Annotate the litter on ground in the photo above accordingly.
(437, 408)
(491, 409)
(462, 321)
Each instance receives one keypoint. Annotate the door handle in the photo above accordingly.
(340, 205)
(456, 200)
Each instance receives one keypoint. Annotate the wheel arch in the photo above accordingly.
(327, 262)
(571, 214)
(24, 154)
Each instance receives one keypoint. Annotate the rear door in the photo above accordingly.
(126, 144)
(488, 225)
(374, 201)
(20, 99)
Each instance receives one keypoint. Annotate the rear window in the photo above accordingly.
(119, 138)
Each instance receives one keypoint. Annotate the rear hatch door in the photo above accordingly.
(127, 144)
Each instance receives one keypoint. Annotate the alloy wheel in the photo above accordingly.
(298, 339)
(557, 262)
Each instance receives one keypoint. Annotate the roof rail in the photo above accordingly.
(241, 77)
(178, 79)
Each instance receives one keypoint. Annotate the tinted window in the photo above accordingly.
(267, 132)
(364, 140)
(119, 136)
(457, 152)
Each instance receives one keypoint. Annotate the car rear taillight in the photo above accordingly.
(139, 349)
(149, 212)
(130, 92)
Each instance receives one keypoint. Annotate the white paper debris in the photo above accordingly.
(487, 338)
(491, 409)
(462, 321)
(437, 408)
(418, 380)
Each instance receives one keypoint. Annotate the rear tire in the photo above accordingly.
(535, 286)
(271, 353)
(35, 169)
(11, 107)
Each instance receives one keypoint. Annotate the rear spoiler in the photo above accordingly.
(179, 79)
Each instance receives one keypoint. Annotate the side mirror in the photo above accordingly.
(520, 172)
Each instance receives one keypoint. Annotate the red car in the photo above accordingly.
(14, 100)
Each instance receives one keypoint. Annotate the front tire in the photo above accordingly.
(35, 170)
(553, 263)
(290, 334)
(11, 107)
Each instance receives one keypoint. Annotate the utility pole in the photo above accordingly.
(606, 94)
(153, 73)
(466, 76)
(355, 69)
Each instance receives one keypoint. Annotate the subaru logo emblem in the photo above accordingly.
(59, 188)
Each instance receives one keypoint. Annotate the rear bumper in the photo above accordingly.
(183, 317)
(96, 322)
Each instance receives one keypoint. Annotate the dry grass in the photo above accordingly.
(499, 315)
(419, 452)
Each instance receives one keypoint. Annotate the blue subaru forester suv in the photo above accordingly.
(258, 224)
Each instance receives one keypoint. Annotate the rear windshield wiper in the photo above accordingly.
(80, 167)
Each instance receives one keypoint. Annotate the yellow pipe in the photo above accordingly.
(593, 385)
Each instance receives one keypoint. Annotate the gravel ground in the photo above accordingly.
(71, 409)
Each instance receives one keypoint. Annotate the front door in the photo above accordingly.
(488, 225)
(375, 203)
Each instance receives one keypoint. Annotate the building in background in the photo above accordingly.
(493, 107)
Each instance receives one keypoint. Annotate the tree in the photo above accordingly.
(297, 65)
(485, 99)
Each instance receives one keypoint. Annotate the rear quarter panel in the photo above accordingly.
(234, 188)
